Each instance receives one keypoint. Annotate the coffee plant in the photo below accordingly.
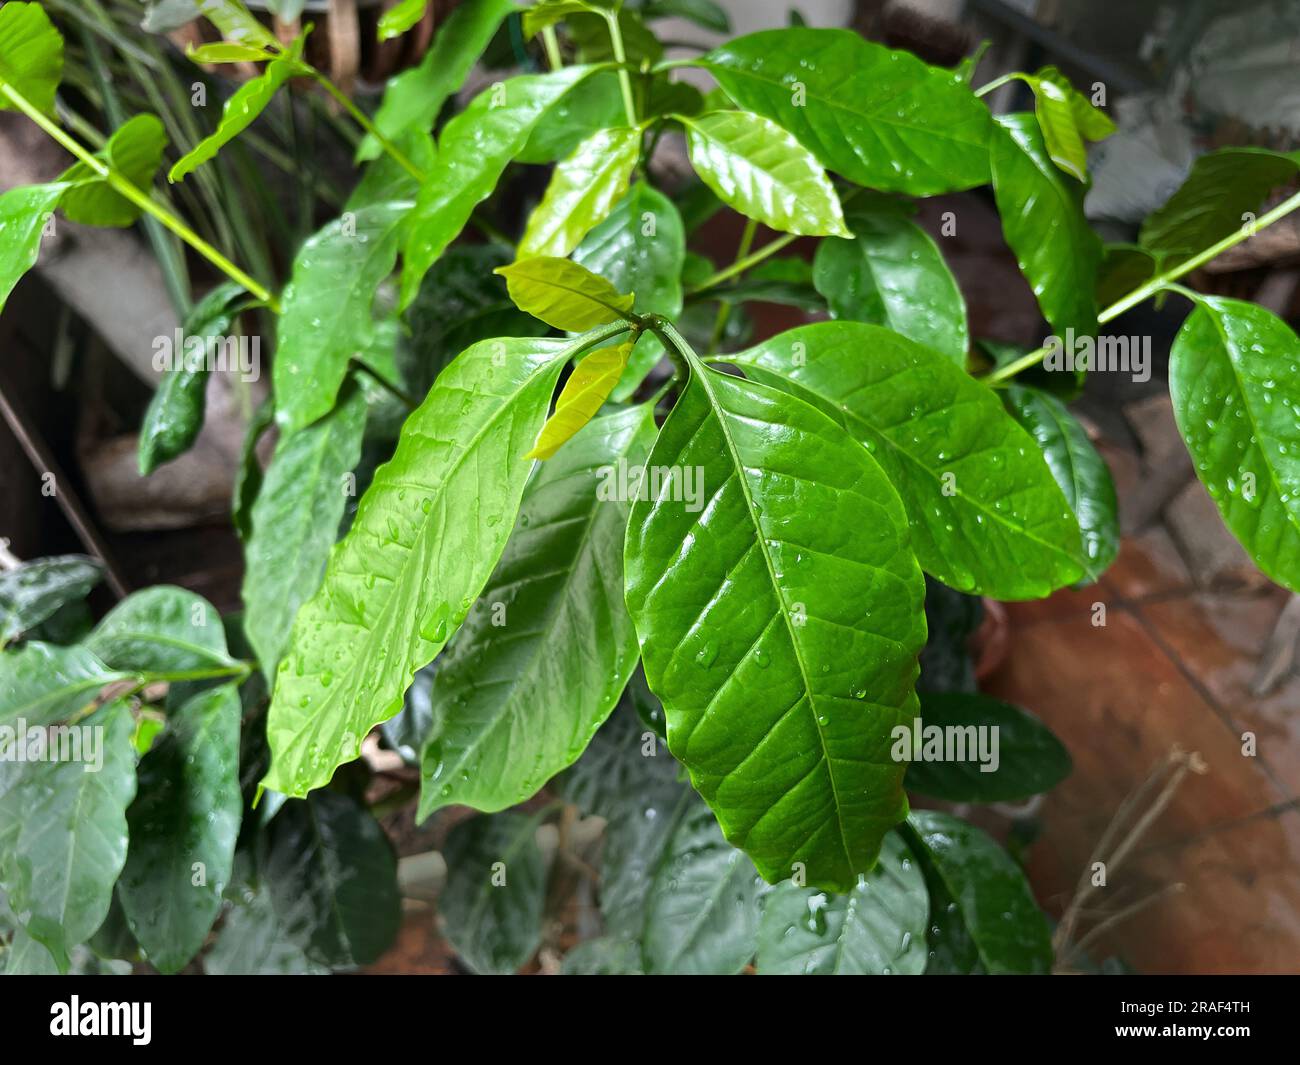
(617, 554)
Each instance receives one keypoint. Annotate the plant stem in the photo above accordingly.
(140, 198)
(361, 120)
(1156, 284)
(620, 57)
(997, 83)
(724, 308)
(741, 265)
(410, 401)
(552, 43)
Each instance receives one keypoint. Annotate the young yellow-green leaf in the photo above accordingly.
(249, 101)
(35, 590)
(41, 683)
(758, 168)
(583, 190)
(564, 295)
(237, 23)
(397, 20)
(476, 147)
(1062, 137)
(135, 151)
(581, 397)
(31, 55)
(1043, 221)
(880, 117)
(1236, 392)
(426, 536)
(24, 213)
(227, 52)
(779, 609)
(891, 273)
(509, 673)
(985, 512)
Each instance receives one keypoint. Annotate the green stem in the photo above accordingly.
(679, 351)
(724, 308)
(410, 401)
(997, 83)
(741, 265)
(1156, 284)
(552, 44)
(361, 120)
(620, 57)
(141, 199)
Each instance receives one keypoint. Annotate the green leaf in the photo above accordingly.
(583, 395)
(575, 118)
(414, 97)
(755, 166)
(476, 147)
(237, 23)
(546, 13)
(986, 514)
(1235, 388)
(327, 318)
(35, 590)
(992, 910)
(703, 13)
(397, 20)
(891, 273)
(1078, 469)
(1220, 196)
(496, 888)
(248, 476)
(781, 689)
(41, 683)
(877, 929)
(640, 248)
(227, 52)
(253, 940)
(183, 824)
(175, 414)
(63, 831)
(24, 214)
(295, 522)
(426, 536)
(1043, 222)
(1123, 268)
(31, 55)
(583, 190)
(1066, 118)
(591, 37)
(134, 151)
(26, 957)
(386, 181)
(559, 585)
(882, 118)
(564, 295)
(1027, 759)
(162, 630)
(606, 956)
(240, 111)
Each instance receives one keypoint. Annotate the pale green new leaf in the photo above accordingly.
(135, 151)
(582, 396)
(779, 610)
(24, 213)
(162, 630)
(397, 20)
(758, 168)
(41, 683)
(1234, 377)
(237, 23)
(31, 55)
(583, 190)
(34, 590)
(508, 682)
(891, 273)
(227, 52)
(184, 824)
(877, 929)
(881, 118)
(425, 538)
(564, 295)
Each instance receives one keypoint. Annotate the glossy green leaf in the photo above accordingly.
(425, 539)
(162, 630)
(993, 911)
(546, 13)
(1043, 222)
(476, 147)
(414, 98)
(26, 957)
(295, 522)
(564, 295)
(985, 512)
(328, 317)
(583, 395)
(492, 902)
(1236, 393)
(876, 929)
(33, 591)
(237, 23)
(253, 941)
(397, 20)
(24, 213)
(1024, 760)
(705, 13)
(881, 118)
(583, 190)
(507, 682)
(385, 179)
(640, 248)
(183, 825)
(1066, 118)
(175, 414)
(758, 168)
(1220, 196)
(41, 683)
(1078, 469)
(591, 37)
(779, 612)
(1123, 268)
(31, 55)
(891, 273)
(598, 105)
(63, 830)
(135, 151)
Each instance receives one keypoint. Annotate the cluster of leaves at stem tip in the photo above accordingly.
(690, 591)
